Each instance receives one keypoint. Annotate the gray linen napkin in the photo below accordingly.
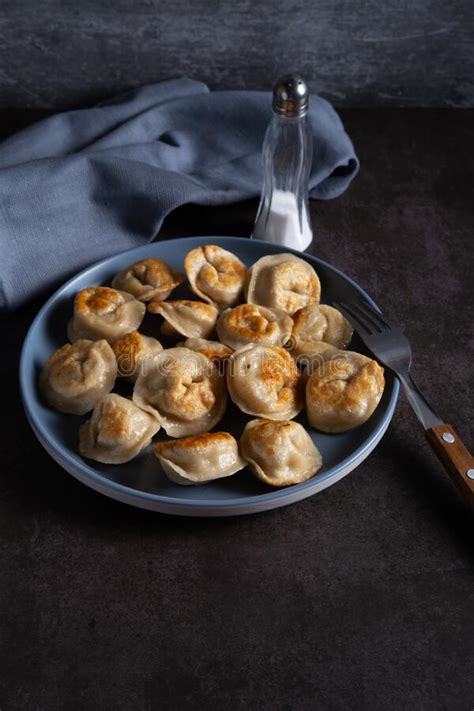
(82, 185)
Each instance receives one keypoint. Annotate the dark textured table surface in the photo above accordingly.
(359, 598)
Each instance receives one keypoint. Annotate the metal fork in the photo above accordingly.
(392, 348)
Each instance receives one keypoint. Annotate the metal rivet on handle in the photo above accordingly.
(470, 473)
(448, 437)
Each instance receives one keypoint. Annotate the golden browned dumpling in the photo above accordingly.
(184, 389)
(217, 352)
(77, 376)
(167, 330)
(101, 312)
(199, 459)
(315, 327)
(250, 323)
(148, 280)
(343, 391)
(264, 381)
(215, 274)
(310, 363)
(282, 281)
(192, 319)
(279, 453)
(132, 352)
(117, 431)
(319, 351)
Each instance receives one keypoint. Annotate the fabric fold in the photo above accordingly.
(82, 185)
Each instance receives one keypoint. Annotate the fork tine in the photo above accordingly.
(369, 317)
(369, 310)
(357, 321)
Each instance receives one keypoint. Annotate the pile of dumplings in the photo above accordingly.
(259, 336)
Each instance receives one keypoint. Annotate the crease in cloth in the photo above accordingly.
(86, 184)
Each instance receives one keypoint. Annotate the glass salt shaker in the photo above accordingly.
(282, 216)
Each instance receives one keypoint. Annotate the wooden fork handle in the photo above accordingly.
(456, 459)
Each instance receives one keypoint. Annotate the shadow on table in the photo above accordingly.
(33, 483)
(426, 482)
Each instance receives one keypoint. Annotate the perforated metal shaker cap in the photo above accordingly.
(290, 96)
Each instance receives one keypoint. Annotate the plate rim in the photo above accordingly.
(279, 497)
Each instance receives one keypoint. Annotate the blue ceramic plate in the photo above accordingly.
(141, 482)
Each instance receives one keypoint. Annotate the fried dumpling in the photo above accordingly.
(282, 281)
(184, 389)
(317, 325)
(132, 352)
(193, 319)
(343, 391)
(217, 352)
(117, 431)
(264, 381)
(199, 459)
(78, 375)
(320, 352)
(167, 330)
(279, 453)
(215, 274)
(148, 280)
(251, 323)
(101, 312)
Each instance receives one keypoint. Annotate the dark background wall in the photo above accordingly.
(63, 53)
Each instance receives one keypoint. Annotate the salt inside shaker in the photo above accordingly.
(282, 216)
